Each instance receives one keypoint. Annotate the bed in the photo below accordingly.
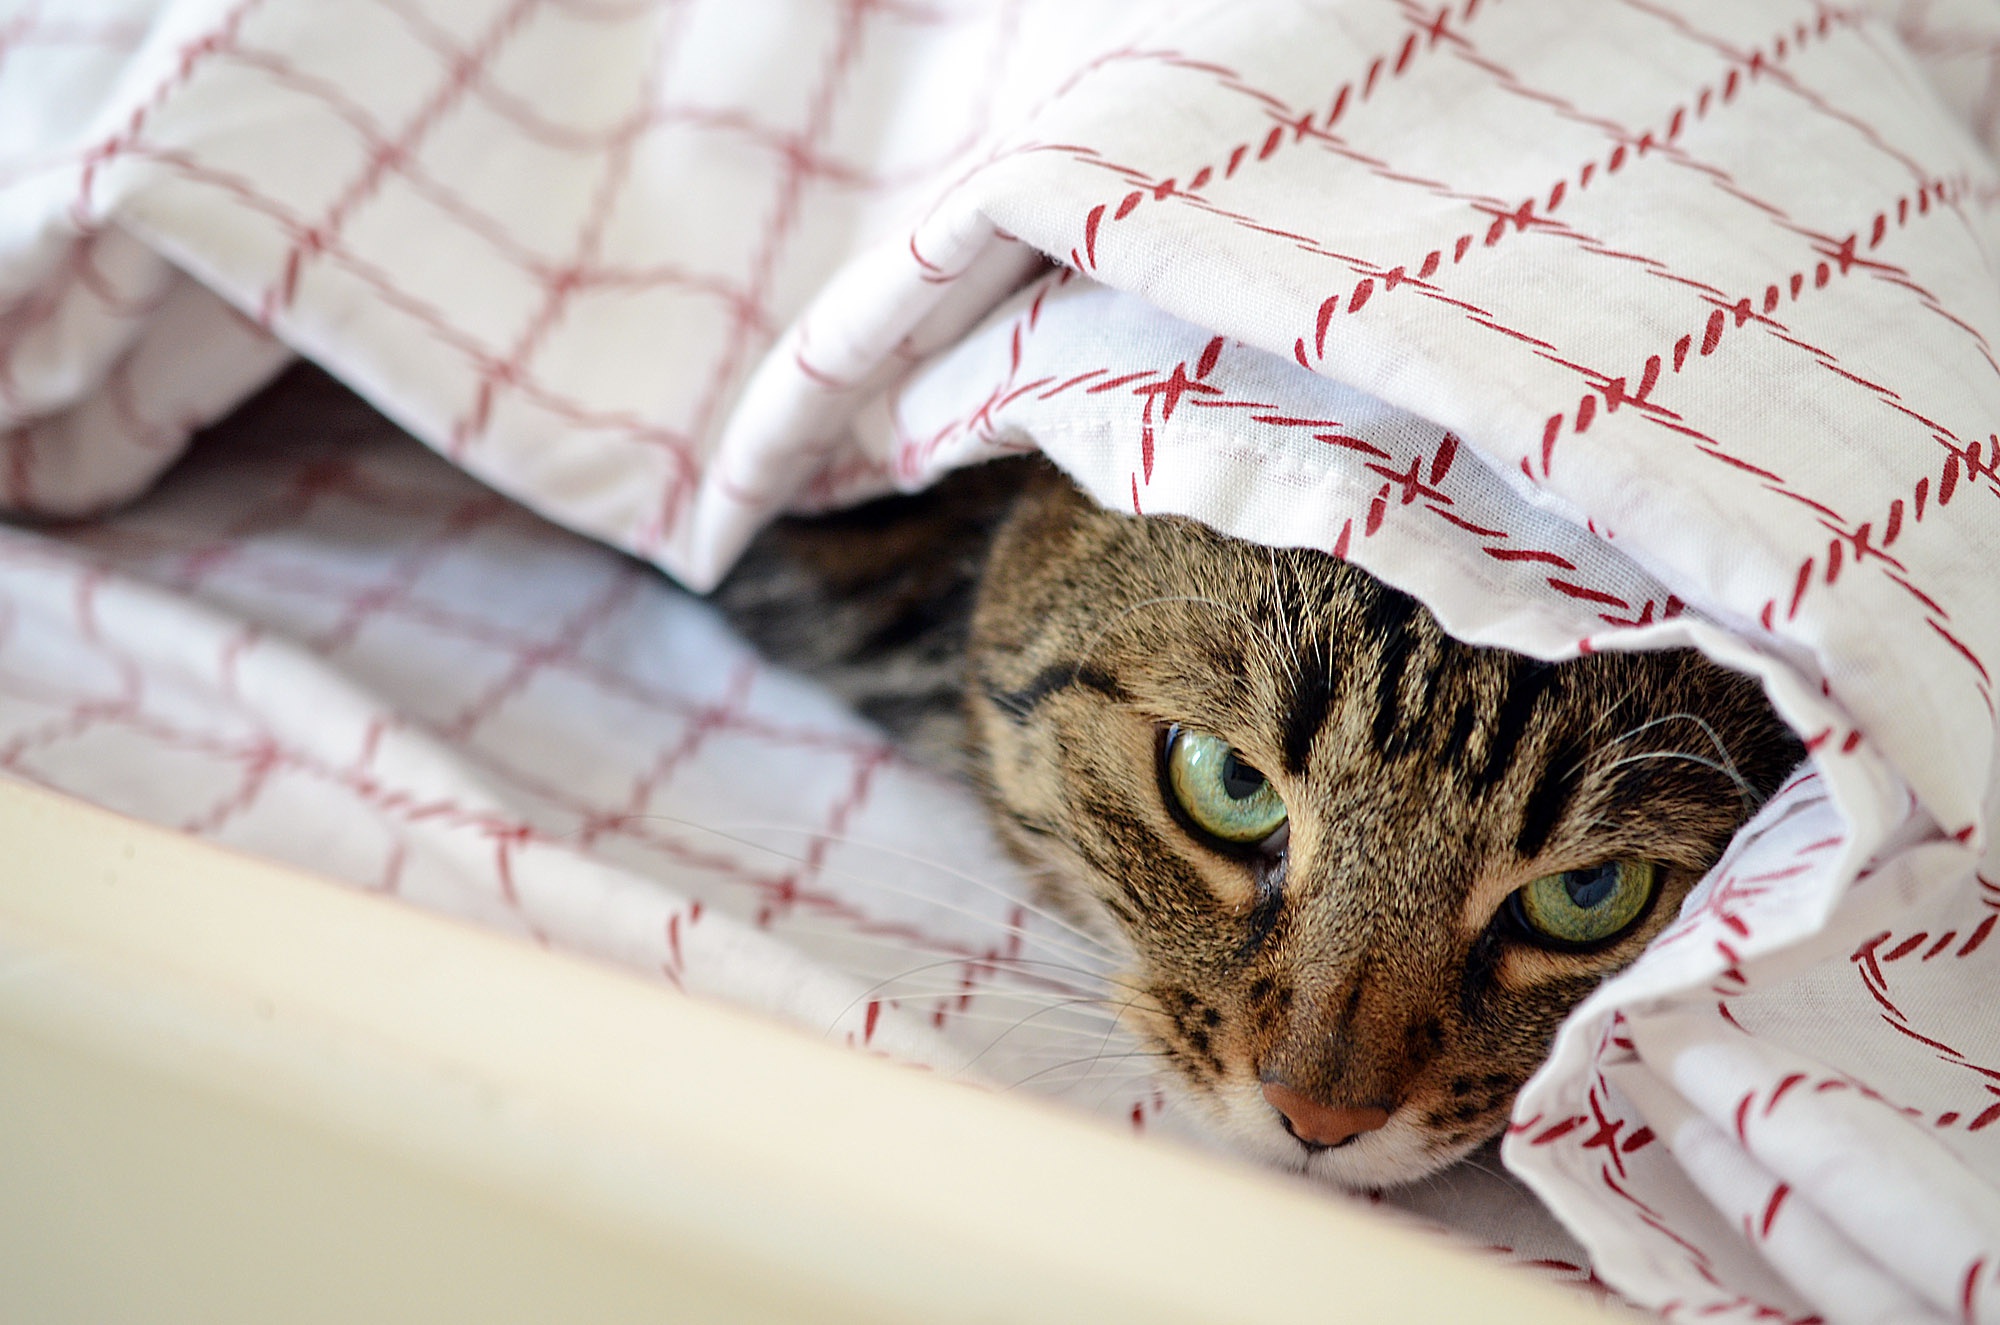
(642, 276)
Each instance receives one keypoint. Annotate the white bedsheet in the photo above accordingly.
(1598, 324)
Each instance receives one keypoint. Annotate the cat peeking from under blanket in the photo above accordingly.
(1362, 870)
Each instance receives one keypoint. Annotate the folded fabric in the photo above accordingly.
(1596, 324)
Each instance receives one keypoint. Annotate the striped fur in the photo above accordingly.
(1044, 645)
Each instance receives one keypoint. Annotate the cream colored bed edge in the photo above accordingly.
(229, 1091)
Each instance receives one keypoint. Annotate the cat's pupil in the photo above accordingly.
(1239, 779)
(1591, 887)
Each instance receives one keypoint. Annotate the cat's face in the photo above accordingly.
(1364, 870)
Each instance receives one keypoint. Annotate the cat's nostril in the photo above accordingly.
(1319, 1124)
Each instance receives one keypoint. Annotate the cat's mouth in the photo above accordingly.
(1317, 1147)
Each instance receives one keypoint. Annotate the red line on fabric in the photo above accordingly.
(1771, 1210)
(1906, 947)
(1790, 1080)
(1960, 647)
(392, 156)
(1301, 124)
(436, 323)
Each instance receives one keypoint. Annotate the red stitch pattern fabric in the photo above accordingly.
(1596, 323)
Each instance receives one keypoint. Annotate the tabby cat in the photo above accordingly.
(1363, 870)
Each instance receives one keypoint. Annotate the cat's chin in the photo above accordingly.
(1399, 1153)
(1392, 1157)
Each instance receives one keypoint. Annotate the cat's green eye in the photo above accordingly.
(1219, 792)
(1580, 908)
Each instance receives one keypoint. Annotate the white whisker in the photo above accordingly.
(1012, 898)
(877, 990)
(1089, 1026)
(1727, 770)
(1036, 981)
(1105, 1043)
(914, 946)
(1726, 766)
(918, 992)
(1091, 1064)
(994, 1043)
(886, 889)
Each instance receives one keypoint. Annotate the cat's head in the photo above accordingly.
(1364, 870)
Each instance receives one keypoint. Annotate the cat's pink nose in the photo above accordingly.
(1319, 1124)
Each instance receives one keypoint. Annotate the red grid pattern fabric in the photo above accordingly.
(1597, 323)
(320, 643)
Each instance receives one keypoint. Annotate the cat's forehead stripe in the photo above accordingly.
(1387, 621)
(1452, 753)
(1020, 703)
(1543, 809)
(1390, 664)
(1525, 687)
(1313, 697)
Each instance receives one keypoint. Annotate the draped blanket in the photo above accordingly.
(1597, 324)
